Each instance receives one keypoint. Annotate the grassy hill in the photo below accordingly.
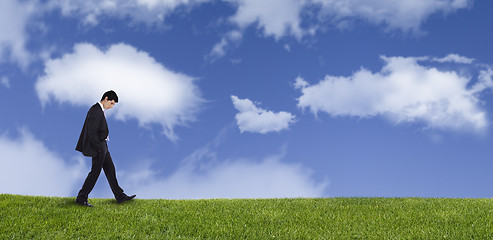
(25, 217)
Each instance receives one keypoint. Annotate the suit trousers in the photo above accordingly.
(102, 161)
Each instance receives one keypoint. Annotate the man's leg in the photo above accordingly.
(110, 172)
(92, 177)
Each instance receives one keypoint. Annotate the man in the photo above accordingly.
(92, 143)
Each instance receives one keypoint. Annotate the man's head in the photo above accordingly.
(109, 99)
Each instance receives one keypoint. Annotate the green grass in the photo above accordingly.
(24, 217)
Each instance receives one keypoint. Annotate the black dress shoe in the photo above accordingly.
(84, 203)
(124, 198)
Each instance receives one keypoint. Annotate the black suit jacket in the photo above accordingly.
(94, 132)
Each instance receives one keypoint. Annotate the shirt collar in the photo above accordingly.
(101, 105)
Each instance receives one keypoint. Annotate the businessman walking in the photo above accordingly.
(92, 143)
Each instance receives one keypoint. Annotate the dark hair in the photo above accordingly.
(111, 96)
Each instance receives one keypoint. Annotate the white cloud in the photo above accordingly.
(148, 91)
(220, 48)
(454, 58)
(253, 119)
(5, 81)
(404, 90)
(269, 178)
(148, 11)
(300, 18)
(403, 14)
(197, 178)
(485, 81)
(30, 168)
(276, 18)
(14, 17)
(287, 47)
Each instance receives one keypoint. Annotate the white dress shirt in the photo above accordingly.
(102, 108)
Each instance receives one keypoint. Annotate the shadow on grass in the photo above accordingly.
(108, 202)
(70, 202)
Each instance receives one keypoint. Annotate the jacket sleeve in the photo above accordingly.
(93, 121)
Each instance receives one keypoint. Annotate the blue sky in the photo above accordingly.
(251, 99)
